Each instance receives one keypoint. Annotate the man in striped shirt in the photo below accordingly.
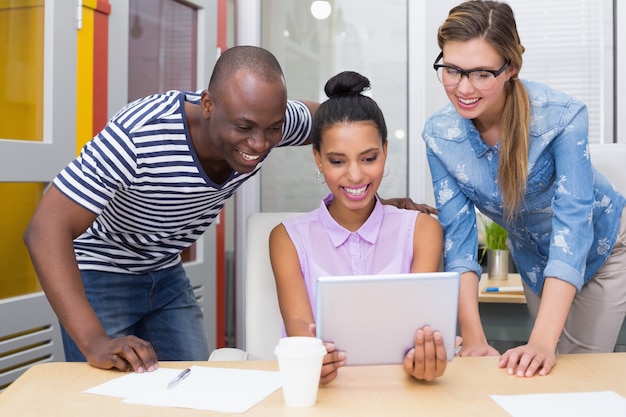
(107, 236)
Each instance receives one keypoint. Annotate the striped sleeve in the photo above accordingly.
(297, 126)
(104, 165)
(109, 161)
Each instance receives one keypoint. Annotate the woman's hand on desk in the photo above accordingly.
(427, 360)
(128, 353)
(526, 360)
(538, 356)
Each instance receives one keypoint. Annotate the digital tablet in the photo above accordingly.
(373, 318)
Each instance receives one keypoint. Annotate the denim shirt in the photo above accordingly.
(568, 221)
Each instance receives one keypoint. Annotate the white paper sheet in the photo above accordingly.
(206, 388)
(578, 404)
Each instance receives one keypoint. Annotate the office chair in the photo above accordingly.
(263, 324)
(609, 160)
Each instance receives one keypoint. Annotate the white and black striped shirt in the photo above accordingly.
(141, 177)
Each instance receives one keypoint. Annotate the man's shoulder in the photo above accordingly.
(298, 112)
(152, 109)
(297, 125)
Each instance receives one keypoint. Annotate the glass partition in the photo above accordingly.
(21, 118)
(368, 37)
(21, 69)
(162, 49)
(37, 121)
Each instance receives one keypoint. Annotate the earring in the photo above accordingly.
(320, 177)
(386, 171)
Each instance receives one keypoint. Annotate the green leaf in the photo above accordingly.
(495, 236)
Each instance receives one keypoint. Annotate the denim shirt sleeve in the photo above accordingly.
(572, 206)
(456, 215)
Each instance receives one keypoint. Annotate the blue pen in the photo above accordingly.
(184, 374)
(504, 289)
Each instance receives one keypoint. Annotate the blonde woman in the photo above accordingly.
(518, 151)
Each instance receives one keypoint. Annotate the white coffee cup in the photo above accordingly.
(300, 363)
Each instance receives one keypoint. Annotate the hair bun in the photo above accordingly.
(347, 82)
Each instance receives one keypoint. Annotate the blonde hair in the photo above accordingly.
(495, 23)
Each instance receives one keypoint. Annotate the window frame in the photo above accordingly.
(40, 161)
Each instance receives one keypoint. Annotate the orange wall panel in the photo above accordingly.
(84, 77)
(100, 65)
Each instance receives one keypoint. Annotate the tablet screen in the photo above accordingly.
(373, 318)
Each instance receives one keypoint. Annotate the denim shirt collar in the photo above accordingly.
(479, 146)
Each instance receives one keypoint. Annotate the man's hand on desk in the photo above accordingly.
(128, 353)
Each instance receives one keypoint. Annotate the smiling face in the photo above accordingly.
(243, 123)
(469, 101)
(352, 158)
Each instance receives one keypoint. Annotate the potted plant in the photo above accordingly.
(496, 248)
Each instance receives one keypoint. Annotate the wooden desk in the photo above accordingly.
(54, 389)
(493, 297)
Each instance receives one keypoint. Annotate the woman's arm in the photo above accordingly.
(427, 244)
(570, 241)
(293, 298)
(458, 218)
(538, 355)
(427, 360)
(474, 339)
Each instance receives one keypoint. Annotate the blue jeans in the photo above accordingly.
(159, 307)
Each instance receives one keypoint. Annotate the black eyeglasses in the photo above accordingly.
(482, 79)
